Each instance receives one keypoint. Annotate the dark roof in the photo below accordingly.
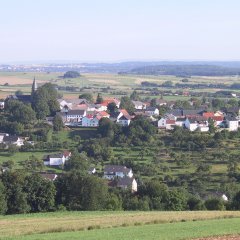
(55, 155)
(192, 112)
(185, 112)
(230, 118)
(25, 98)
(125, 181)
(232, 110)
(180, 119)
(150, 109)
(116, 168)
(10, 138)
(192, 120)
(176, 112)
(114, 115)
(125, 118)
(76, 112)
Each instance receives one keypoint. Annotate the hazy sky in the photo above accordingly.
(116, 30)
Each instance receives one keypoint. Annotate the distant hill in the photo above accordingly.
(186, 70)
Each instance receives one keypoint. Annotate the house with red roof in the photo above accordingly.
(167, 124)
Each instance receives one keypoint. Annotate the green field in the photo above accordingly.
(119, 225)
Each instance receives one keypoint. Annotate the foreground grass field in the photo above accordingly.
(168, 231)
(119, 225)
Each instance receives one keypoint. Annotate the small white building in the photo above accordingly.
(232, 123)
(127, 183)
(152, 111)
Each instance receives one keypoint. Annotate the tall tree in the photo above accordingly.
(127, 104)
(40, 193)
(45, 101)
(57, 123)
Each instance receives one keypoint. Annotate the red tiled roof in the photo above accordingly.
(168, 121)
(208, 114)
(66, 153)
(217, 118)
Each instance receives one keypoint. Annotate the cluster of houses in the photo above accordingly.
(199, 119)
(79, 112)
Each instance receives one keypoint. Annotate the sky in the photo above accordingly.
(118, 30)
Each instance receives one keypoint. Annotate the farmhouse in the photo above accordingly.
(57, 159)
(114, 171)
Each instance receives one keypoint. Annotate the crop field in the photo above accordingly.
(113, 225)
(11, 81)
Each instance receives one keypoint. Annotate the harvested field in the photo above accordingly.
(221, 238)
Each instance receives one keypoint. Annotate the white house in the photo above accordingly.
(57, 159)
(73, 117)
(191, 124)
(180, 122)
(232, 123)
(151, 111)
(116, 171)
(167, 124)
(127, 183)
(124, 121)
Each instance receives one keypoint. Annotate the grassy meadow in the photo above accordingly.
(119, 225)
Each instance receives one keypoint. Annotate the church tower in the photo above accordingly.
(34, 85)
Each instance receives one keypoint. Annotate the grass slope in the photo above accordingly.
(48, 224)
